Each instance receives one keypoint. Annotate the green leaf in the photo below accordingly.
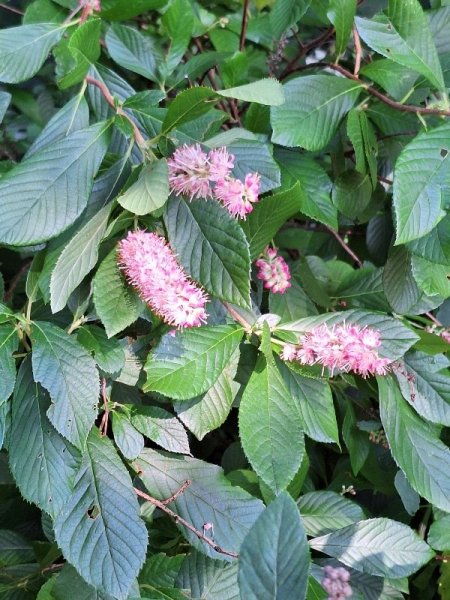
(210, 498)
(121, 10)
(129, 441)
(69, 580)
(162, 570)
(77, 259)
(415, 446)
(409, 497)
(188, 364)
(425, 385)
(268, 216)
(151, 190)
(352, 193)
(99, 529)
(393, 77)
(8, 344)
(64, 368)
(404, 36)
(217, 257)
(207, 412)
(422, 174)
(178, 21)
(431, 277)
(357, 441)
(208, 579)
(42, 462)
(46, 182)
(312, 122)
(293, 304)
(5, 99)
(283, 574)
(24, 49)
(270, 427)
(314, 403)
(323, 512)
(364, 141)
(115, 302)
(315, 202)
(14, 549)
(75, 56)
(188, 105)
(439, 534)
(108, 353)
(265, 91)
(379, 547)
(132, 50)
(341, 13)
(396, 338)
(285, 13)
(161, 427)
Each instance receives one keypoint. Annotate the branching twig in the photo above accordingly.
(162, 506)
(345, 246)
(358, 51)
(178, 493)
(244, 25)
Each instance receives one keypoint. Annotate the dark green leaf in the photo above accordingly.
(161, 427)
(341, 13)
(285, 13)
(108, 353)
(208, 579)
(129, 441)
(323, 512)
(188, 105)
(352, 193)
(132, 50)
(8, 344)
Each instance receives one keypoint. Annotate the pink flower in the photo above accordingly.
(345, 348)
(220, 164)
(238, 196)
(189, 172)
(289, 352)
(336, 583)
(152, 269)
(273, 270)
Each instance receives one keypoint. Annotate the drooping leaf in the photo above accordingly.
(323, 512)
(99, 529)
(42, 462)
(341, 13)
(150, 192)
(415, 446)
(188, 364)
(64, 368)
(209, 499)
(217, 257)
(283, 574)
(380, 547)
(312, 122)
(265, 91)
(46, 182)
(270, 427)
(8, 344)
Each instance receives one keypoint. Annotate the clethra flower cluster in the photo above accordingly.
(341, 347)
(273, 270)
(152, 269)
(336, 583)
(196, 174)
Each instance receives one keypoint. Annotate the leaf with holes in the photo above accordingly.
(99, 528)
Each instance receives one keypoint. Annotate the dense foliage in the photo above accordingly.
(225, 277)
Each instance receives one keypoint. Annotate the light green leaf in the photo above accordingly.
(379, 547)
(314, 403)
(64, 368)
(116, 303)
(341, 13)
(285, 13)
(314, 107)
(323, 512)
(42, 462)
(8, 344)
(75, 56)
(269, 215)
(77, 259)
(132, 50)
(399, 285)
(210, 498)
(187, 106)
(208, 579)
(129, 441)
(151, 190)
(404, 36)
(409, 497)
(161, 427)
(415, 446)
(99, 529)
(432, 278)
(24, 49)
(46, 182)
(270, 427)
(178, 21)
(109, 354)
(187, 364)
(283, 574)
(216, 256)
(5, 99)
(265, 91)
(439, 534)
(422, 174)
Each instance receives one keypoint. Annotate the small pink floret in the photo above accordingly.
(238, 196)
(220, 164)
(336, 583)
(152, 269)
(189, 172)
(274, 271)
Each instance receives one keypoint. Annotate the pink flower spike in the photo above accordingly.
(237, 196)
(221, 164)
(189, 172)
(152, 269)
(336, 583)
(274, 271)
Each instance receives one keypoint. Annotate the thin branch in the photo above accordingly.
(358, 51)
(433, 318)
(345, 246)
(291, 66)
(11, 9)
(105, 418)
(161, 505)
(178, 493)
(244, 25)
(237, 317)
